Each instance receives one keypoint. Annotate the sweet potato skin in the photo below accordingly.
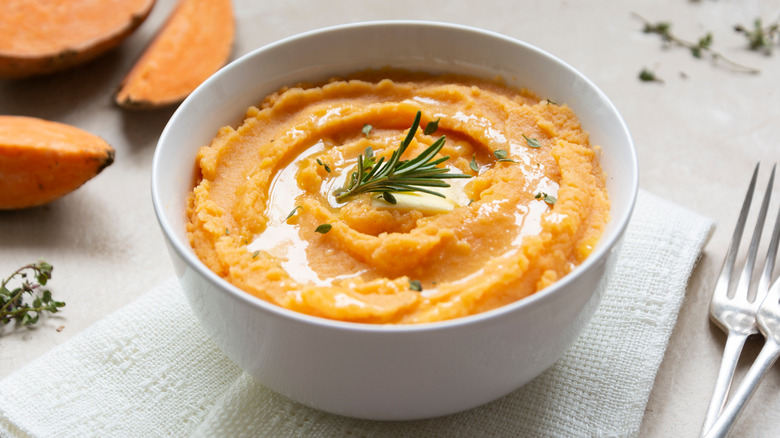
(76, 31)
(41, 160)
(194, 43)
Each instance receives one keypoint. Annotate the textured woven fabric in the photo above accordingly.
(150, 370)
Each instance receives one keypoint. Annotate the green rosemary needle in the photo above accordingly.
(394, 175)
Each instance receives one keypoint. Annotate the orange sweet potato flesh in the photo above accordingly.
(41, 161)
(195, 42)
(45, 36)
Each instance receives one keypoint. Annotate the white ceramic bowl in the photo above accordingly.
(375, 371)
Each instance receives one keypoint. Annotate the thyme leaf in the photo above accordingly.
(501, 155)
(431, 127)
(327, 168)
(534, 143)
(292, 212)
(473, 164)
(546, 198)
(649, 76)
(323, 228)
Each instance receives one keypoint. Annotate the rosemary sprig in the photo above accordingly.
(394, 175)
(698, 49)
(12, 304)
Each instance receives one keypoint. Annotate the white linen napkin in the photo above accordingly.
(150, 370)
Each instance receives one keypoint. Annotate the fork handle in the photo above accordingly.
(766, 358)
(728, 364)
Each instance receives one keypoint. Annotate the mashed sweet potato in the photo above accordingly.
(533, 209)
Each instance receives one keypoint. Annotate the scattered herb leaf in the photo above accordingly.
(431, 127)
(550, 102)
(501, 155)
(546, 198)
(473, 164)
(649, 76)
(367, 129)
(292, 212)
(323, 228)
(415, 285)
(389, 197)
(534, 143)
(254, 254)
(705, 43)
(13, 306)
(395, 175)
(327, 168)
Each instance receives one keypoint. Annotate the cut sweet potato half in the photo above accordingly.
(194, 43)
(45, 36)
(41, 161)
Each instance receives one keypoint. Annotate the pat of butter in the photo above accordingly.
(423, 202)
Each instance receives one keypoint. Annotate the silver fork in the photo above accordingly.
(768, 317)
(737, 314)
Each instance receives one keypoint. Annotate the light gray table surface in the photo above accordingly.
(698, 136)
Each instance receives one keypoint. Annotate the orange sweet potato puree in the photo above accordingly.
(516, 226)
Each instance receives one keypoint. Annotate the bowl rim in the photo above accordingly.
(185, 252)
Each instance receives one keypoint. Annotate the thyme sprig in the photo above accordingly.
(760, 37)
(699, 49)
(13, 306)
(396, 175)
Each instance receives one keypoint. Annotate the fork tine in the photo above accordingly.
(747, 271)
(769, 264)
(722, 285)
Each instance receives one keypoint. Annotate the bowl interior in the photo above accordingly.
(432, 47)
